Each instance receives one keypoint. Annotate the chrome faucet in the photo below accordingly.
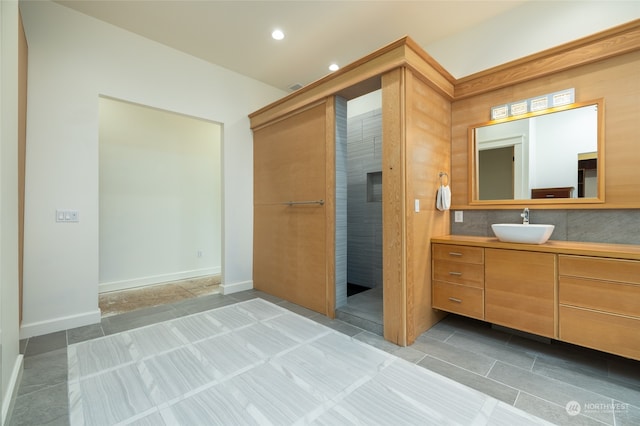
(525, 216)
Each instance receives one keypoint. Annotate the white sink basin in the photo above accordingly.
(522, 233)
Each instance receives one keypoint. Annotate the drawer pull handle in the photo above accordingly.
(453, 253)
(456, 300)
(457, 274)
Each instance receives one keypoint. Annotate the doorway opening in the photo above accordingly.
(160, 198)
(361, 157)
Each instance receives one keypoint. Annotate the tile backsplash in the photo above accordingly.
(620, 226)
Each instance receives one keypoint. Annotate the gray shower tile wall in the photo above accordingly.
(341, 202)
(364, 217)
(619, 226)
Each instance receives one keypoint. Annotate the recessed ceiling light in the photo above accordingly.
(334, 67)
(277, 34)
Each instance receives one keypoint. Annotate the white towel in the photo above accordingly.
(443, 200)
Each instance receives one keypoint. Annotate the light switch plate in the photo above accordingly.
(67, 215)
(416, 204)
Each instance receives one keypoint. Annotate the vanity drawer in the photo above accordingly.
(458, 253)
(459, 273)
(626, 271)
(597, 330)
(617, 298)
(463, 300)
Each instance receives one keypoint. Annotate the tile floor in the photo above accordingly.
(364, 310)
(264, 365)
(537, 377)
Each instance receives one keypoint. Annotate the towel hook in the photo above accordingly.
(441, 175)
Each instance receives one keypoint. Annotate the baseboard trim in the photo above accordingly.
(156, 279)
(231, 288)
(58, 324)
(12, 389)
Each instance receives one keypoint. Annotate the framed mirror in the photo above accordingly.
(555, 156)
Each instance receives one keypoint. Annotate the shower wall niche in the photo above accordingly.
(364, 199)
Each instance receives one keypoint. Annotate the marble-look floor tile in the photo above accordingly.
(215, 407)
(475, 381)
(46, 343)
(96, 355)
(300, 310)
(274, 396)
(153, 419)
(549, 389)
(376, 341)
(409, 354)
(230, 317)
(461, 357)
(337, 325)
(193, 328)
(264, 341)
(176, 373)
(43, 371)
(153, 339)
(228, 355)
(492, 349)
(260, 310)
(243, 296)
(458, 403)
(321, 372)
(256, 362)
(88, 332)
(108, 398)
(551, 412)
(138, 318)
(627, 415)
(201, 304)
(297, 328)
(374, 404)
(47, 406)
(620, 391)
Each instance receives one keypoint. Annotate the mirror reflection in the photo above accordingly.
(549, 155)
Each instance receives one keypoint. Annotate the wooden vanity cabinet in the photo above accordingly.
(599, 303)
(458, 279)
(520, 290)
(586, 294)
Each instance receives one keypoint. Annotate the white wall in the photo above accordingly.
(160, 196)
(566, 135)
(528, 29)
(10, 360)
(73, 59)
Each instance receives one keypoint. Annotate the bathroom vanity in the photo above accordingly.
(587, 294)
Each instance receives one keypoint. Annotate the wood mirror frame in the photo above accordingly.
(473, 163)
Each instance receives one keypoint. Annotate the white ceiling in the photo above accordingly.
(236, 34)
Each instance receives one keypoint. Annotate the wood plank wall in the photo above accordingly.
(616, 80)
(393, 229)
(293, 253)
(428, 135)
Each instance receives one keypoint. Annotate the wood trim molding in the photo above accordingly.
(359, 78)
(613, 42)
(362, 76)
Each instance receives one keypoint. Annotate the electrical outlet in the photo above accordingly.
(458, 216)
